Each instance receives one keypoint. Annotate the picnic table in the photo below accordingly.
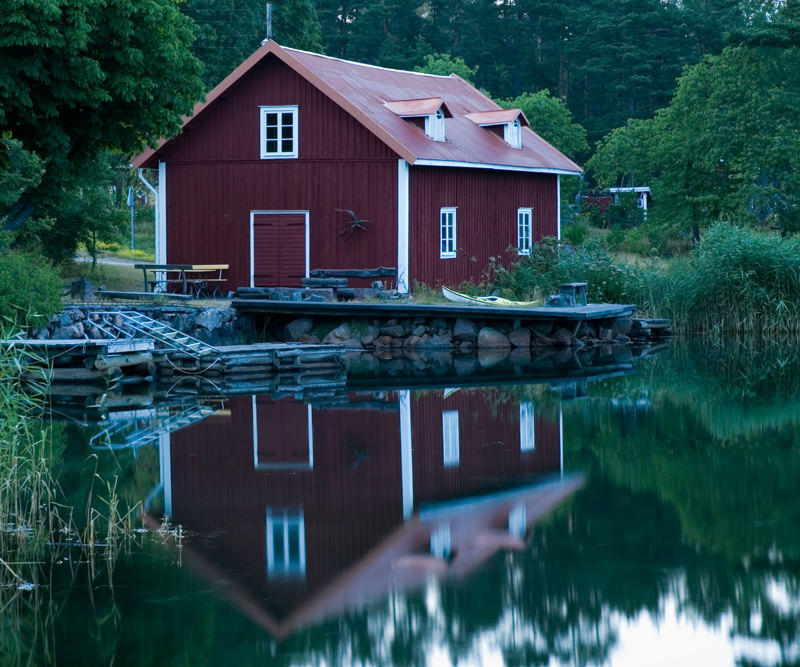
(196, 279)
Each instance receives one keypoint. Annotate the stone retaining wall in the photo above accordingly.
(223, 325)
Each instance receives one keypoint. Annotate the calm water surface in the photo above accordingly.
(644, 513)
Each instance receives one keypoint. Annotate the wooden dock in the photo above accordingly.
(344, 309)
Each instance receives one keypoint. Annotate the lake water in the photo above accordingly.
(628, 512)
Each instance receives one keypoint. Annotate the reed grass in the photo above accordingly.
(735, 281)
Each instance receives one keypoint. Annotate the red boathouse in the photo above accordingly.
(298, 161)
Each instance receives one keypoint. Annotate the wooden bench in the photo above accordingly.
(197, 279)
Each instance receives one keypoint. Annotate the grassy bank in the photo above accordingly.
(735, 280)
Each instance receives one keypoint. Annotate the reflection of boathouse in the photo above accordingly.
(314, 509)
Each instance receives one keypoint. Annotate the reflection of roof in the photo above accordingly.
(402, 561)
(362, 90)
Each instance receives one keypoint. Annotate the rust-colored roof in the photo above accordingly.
(363, 90)
(498, 117)
(409, 108)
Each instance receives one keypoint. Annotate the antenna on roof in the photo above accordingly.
(269, 23)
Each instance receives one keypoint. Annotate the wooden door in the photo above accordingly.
(279, 249)
(283, 433)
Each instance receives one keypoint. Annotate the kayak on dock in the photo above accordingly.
(458, 297)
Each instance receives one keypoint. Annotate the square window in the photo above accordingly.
(278, 132)
(447, 233)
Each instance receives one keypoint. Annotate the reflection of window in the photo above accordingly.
(447, 233)
(278, 132)
(524, 226)
(440, 542)
(286, 543)
(450, 443)
(516, 521)
(527, 429)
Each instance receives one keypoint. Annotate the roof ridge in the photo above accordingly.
(385, 69)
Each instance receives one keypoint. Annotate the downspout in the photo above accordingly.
(558, 206)
(160, 227)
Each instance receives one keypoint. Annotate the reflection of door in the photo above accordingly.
(278, 248)
(282, 434)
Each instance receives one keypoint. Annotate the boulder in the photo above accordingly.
(491, 338)
(339, 335)
(297, 328)
(520, 337)
(210, 318)
(562, 336)
(465, 330)
(393, 330)
(622, 325)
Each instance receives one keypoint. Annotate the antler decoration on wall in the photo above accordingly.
(352, 225)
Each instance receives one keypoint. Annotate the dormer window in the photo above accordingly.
(434, 126)
(428, 114)
(505, 123)
(512, 134)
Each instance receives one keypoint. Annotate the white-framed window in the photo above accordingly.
(434, 126)
(447, 233)
(524, 230)
(450, 438)
(512, 134)
(278, 132)
(527, 427)
(286, 543)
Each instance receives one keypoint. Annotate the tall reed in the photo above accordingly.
(737, 280)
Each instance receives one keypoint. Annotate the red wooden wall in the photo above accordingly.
(215, 178)
(349, 503)
(489, 445)
(486, 221)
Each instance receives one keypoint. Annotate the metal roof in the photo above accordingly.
(363, 90)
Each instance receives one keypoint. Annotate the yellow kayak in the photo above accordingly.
(458, 297)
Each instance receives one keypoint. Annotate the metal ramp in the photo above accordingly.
(116, 321)
(127, 432)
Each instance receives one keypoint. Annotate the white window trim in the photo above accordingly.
(263, 111)
(434, 126)
(512, 134)
(520, 248)
(527, 427)
(447, 254)
(280, 564)
(283, 465)
(451, 455)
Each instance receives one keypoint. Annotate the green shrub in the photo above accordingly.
(735, 280)
(574, 233)
(636, 242)
(29, 288)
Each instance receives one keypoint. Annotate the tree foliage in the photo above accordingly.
(727, 147)
(444, 65)
(230, 30)
(550, 118)
(79, 77)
